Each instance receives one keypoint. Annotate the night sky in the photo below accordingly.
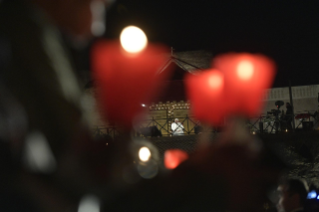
(286, 31)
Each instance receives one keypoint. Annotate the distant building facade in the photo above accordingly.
(305, 98)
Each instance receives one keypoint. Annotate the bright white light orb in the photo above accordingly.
(245, 70)
(144, 154)
(133, 39)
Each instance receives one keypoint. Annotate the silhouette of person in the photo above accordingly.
(288, 116)
(293, 194)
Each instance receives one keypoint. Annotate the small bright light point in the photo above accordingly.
(245, 70)
(143, 105)
(254, 133)
(215, 81)
(286, 130)
(144, 154)
(133, 39)
(312, 195)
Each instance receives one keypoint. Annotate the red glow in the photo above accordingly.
(206, 93)
(246, 78)
(125, 82)
(245, 70)
(174, 157)
(216, 81)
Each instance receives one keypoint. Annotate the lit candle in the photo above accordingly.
(174, 157)
(246, 78)
(206, 93)
(126, 75)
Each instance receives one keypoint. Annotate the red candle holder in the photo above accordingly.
(174, 157)
(235, 87)
(246, 78)
(125, 81)
(206, 93)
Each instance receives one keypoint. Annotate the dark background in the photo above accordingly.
(286, 31)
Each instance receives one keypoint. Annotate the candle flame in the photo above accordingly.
(215, 81)
(144, 154)
(245, 70)
(133, 39)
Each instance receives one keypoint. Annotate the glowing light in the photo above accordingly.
(38, 156)
(286, 130)
(312, 195)
(215, 81)
(89, 203)
(245, 70)
(174, 157)
(133, 39)
(143, 105)
(144, 154)
(254, 133)
(98, 14)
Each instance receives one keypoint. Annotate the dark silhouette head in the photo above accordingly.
(293, 195)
